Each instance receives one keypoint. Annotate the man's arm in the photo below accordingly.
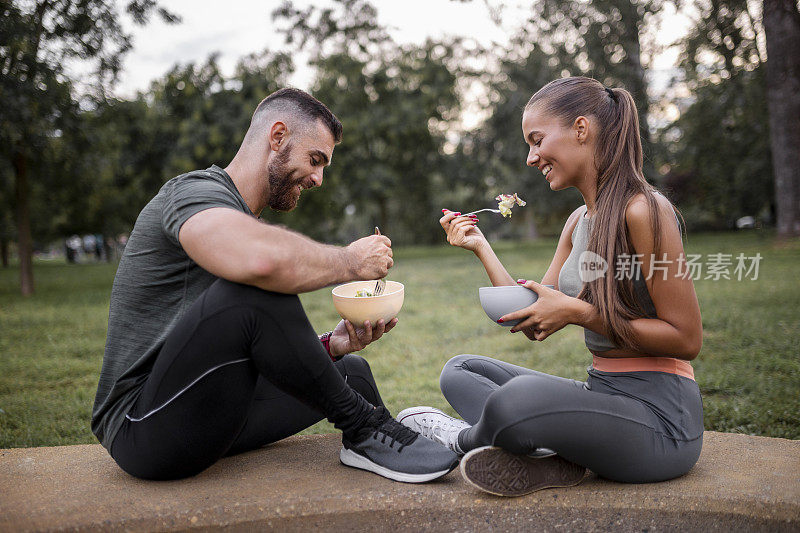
(240, 248)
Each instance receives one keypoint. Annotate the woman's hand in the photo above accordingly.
(347, 339)
(549, 313)
(462, 231)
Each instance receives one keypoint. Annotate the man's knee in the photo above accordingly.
(358, 374)
(354, 365)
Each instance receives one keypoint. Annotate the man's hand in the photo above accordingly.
(370, 257)
(347, 339)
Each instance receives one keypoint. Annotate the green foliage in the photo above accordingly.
(389, 99)
(723, 42)
(718, 150)
(40, 124)
(602, 38)
(496, 152)
(609, 40)
(404, 154)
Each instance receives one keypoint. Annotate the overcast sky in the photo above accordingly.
(235, 28)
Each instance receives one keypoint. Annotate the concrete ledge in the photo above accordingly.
(740, 482)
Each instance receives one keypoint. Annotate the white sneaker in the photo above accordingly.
(434, 424)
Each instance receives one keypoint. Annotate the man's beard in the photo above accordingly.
(281, 188)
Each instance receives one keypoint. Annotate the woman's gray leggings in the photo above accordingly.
(633, 427)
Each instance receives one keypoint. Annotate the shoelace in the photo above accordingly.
(429, 426)
(397, 432)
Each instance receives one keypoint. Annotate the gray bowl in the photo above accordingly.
(499, 301)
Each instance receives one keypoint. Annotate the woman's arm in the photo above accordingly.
(497, 273)
(463, 232)
(678, 330)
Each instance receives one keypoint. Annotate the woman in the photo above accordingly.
(638, 417)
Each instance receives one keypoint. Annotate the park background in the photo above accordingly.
(429, 122)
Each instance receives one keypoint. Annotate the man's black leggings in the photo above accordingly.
(241, 369)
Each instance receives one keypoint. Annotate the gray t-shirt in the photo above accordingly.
(156, 282)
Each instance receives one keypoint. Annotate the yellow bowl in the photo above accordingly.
(372, 308)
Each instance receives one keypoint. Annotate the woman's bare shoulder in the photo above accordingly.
(638, 211)
(638, 216)
(572, 221)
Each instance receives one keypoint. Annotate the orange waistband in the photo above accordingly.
(644, 364)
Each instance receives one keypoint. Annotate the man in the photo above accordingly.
(209, 352)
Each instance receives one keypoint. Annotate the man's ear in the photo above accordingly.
(582, 129)
(277, 135)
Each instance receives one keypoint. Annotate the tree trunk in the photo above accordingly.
(634, 77)
(4, 251)
(782, 29)
(24, 241)
(639, 82)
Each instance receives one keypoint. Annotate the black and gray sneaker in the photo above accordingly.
(388, 448)
(503, 473)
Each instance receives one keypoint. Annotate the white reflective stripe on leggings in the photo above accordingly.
(204, 374)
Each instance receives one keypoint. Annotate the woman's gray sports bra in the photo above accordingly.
(569, 282)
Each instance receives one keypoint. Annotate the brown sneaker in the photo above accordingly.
(499, 472)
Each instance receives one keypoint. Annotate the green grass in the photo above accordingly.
(51, 344)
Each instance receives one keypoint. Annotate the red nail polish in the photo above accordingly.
(512, 331)
(522, 281)
(443, 210)
(499, 320)
(458, 213)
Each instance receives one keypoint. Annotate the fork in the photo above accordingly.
(480, 211)
(380, 285)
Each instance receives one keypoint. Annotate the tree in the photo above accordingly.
(191, 117)
(392, 101)
(610, 40)
(497, 148)
(40, 39)
(718, 153)
(718, 150)
(782, 27)
(6, 229)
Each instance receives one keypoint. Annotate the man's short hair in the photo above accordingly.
(306, 106)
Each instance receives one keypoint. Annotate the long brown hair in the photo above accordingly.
(618, 159)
